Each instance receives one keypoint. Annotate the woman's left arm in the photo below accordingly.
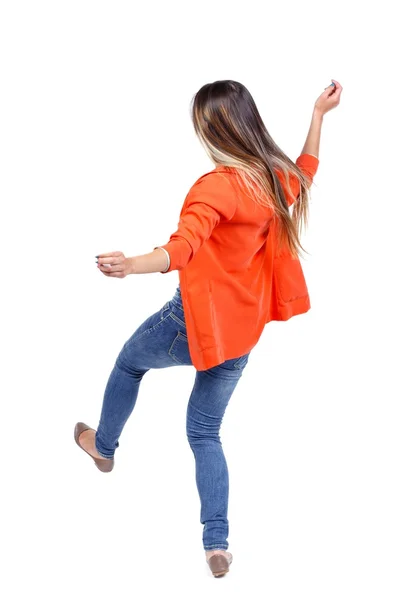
(115, 264)
(210, 200)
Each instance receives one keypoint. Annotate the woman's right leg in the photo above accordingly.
(209, 398)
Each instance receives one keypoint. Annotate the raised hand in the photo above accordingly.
(329, 98)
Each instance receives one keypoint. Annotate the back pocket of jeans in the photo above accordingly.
(179, 349)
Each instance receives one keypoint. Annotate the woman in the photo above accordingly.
(236, 249)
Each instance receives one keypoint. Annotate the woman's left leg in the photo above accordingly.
(146, 349)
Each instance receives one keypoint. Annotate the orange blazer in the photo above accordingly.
(232, 281)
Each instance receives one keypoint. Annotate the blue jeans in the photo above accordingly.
(161, 341)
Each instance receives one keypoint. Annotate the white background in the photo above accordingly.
(97, 154)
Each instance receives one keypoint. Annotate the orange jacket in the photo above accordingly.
(231, 281)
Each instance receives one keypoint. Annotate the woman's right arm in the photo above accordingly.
(311, 145)
(328, 100)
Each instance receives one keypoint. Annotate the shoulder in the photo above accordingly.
(218, 181)
(215, 176)
(214, 189)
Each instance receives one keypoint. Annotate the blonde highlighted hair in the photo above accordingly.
(231, 130)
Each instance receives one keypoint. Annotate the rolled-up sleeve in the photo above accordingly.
(308, 163)
(210, 201)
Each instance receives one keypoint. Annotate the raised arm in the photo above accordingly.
(312, 142)
(328, 100)
(308, 161)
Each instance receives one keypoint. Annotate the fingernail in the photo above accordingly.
(97, 256)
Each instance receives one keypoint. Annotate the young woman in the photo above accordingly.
(237, 252)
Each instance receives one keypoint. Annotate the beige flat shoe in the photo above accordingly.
(219, 564)
(104, 465)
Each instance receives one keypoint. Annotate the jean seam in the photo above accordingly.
(171, 347)
(101, 453)
(105, 456)
(150, 330)
(177, 319)
(240, 361)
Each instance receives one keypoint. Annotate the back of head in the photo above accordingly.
(231, 130)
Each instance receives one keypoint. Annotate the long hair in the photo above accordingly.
(231, 130)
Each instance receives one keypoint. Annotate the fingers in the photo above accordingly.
(109, 260)
(337, 89)
(334, 88)
(110, 254)
(112, 258)
(112, 264)
(113, 270)
(110, 267)
(331, 95)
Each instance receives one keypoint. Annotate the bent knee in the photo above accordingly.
(129, 366)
